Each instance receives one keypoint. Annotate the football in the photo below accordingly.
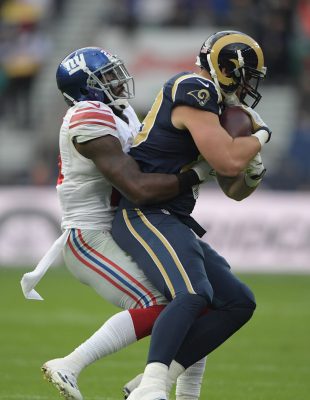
(236, 122)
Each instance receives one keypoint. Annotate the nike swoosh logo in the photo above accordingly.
(204, 84)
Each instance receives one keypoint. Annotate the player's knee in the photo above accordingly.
(246, 306)
(191, 303)
(242, 315)
(247, 298)
(205, 290)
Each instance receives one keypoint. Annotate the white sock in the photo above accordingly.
(155, 374)
(175, 370)
(189, 383)
(116, 333)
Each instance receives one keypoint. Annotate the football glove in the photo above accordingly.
(255, 171)
(204, 171)
(231, 99)
(261, 130)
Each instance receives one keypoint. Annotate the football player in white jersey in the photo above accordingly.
(97, 132)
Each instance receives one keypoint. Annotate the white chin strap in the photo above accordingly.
(241, 63)
(69, 98)
(214, 78)
(119, 104)
(240, 59)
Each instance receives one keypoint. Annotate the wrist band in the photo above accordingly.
(262, 135)
(187, 179)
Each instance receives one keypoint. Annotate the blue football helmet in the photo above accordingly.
(92, 73)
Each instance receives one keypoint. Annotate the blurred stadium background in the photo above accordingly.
(156, 39)
(269, 232)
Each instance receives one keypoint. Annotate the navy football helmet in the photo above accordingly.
(92, 73)
(235, 62)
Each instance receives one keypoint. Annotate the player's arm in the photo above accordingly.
(241, 186)
(228, 156)
(124, 174)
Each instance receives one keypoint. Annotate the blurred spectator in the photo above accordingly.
(303, 13)
(300, 45)
(299, 152)
(273, 28)
(282, 27)
(21, 63)
(295, 168)
(22, 54)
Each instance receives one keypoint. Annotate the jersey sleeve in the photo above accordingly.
(196, 92)
(90, 122)
(131, 114)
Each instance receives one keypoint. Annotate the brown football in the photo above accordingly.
(236, 122)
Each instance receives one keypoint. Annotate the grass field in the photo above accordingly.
(269, 359)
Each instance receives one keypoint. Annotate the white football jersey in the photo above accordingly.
(84, 193)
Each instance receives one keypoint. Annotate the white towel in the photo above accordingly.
(31, 279)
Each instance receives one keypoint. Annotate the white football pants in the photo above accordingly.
(96, 260)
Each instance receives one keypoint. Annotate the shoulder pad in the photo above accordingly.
(197, 92)
(89, 115)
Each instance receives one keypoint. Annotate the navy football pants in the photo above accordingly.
(190, 274)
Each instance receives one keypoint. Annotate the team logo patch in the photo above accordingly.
(201, 95)
(75, 64)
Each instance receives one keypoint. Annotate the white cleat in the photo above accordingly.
(148, 392)
(131, 385)
(56, 372)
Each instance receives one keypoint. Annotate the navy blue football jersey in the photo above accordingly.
(159, 146)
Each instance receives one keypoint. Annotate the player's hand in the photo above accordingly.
(204, 171)
(231, 99)
(261, 130)
(255, 171)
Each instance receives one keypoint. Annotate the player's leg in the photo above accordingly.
(233, 305)
(96, 260)
(172, 259)
(116, 333)
(188, 382)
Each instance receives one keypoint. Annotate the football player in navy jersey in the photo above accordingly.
(96, 134)
(182, 126)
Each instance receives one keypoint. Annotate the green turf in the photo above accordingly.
(269, 359)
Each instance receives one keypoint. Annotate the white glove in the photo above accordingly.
(261, 130)
(255, 171)
(231, 99)
(204, 171)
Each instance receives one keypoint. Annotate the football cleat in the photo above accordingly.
(56, 372)
(147, 392)
(131, 385)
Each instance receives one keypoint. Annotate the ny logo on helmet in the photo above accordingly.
(75, 64)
